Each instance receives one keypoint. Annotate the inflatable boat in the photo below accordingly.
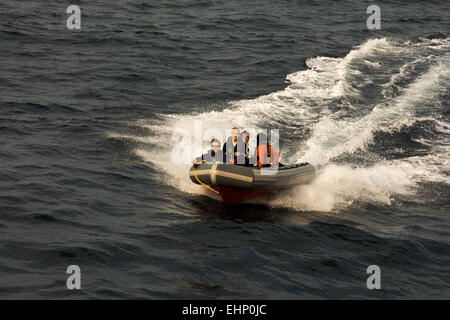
(236, 183)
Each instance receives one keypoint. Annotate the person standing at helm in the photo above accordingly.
(231, 152)
(266, 155)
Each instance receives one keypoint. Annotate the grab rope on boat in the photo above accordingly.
(205, 185)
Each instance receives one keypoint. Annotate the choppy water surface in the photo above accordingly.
(87, 117)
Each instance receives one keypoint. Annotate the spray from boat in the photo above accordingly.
(326, 119)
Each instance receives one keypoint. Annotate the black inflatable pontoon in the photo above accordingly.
(236, 183)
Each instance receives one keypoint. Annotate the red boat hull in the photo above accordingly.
(234, 195)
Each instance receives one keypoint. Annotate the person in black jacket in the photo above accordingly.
(213, 154)
(234, 149)
(245, 137)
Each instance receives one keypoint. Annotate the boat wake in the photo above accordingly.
(374, 123)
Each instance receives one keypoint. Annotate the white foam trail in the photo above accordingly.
(176, 176)
(333, 137)
(338, 186)
(266, 111)
(305, 102)
(325, 79)
(405, 72)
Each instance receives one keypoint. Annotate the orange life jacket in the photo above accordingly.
(267, 155)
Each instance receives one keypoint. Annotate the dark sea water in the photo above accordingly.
(86, 124)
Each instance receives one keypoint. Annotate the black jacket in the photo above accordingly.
(210, 156)
(228, 151)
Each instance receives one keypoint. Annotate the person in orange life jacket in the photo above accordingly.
(266, 155)
(234, 149)
(212, 154)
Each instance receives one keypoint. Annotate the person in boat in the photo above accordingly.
(266, 154)
(245, 136)
(213, 154)
(234, 149)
